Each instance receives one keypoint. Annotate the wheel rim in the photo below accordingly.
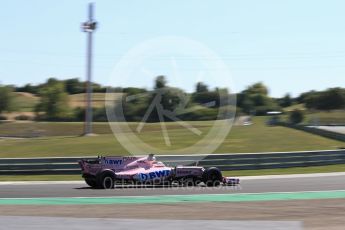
(108, 183)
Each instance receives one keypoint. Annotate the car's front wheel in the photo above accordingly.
(212, 177)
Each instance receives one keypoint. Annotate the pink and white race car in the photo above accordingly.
(107, 172)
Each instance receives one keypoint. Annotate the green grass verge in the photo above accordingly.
(324, 117)
(296, 170)
(242, 139)
(41, 178)
(318, 117)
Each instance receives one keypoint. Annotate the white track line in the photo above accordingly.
(308, 175)
(171, 195)
(40, 182)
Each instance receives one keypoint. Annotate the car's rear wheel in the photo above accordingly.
(212, 177)
(106, 180)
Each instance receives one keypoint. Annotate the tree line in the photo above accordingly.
(254, 100)
(330, 99)
(71, 86)
(202, 104)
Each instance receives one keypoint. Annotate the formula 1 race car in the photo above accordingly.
(107, 172)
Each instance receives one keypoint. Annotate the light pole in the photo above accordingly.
(89, 27)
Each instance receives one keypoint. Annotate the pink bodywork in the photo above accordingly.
(139, 168)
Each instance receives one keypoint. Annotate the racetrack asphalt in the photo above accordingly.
(78, 189)
(57, 223)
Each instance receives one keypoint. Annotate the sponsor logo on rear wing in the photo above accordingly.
(118, 160)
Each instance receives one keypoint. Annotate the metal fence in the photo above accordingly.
(248, 161)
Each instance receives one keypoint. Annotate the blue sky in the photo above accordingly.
(292, 46)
